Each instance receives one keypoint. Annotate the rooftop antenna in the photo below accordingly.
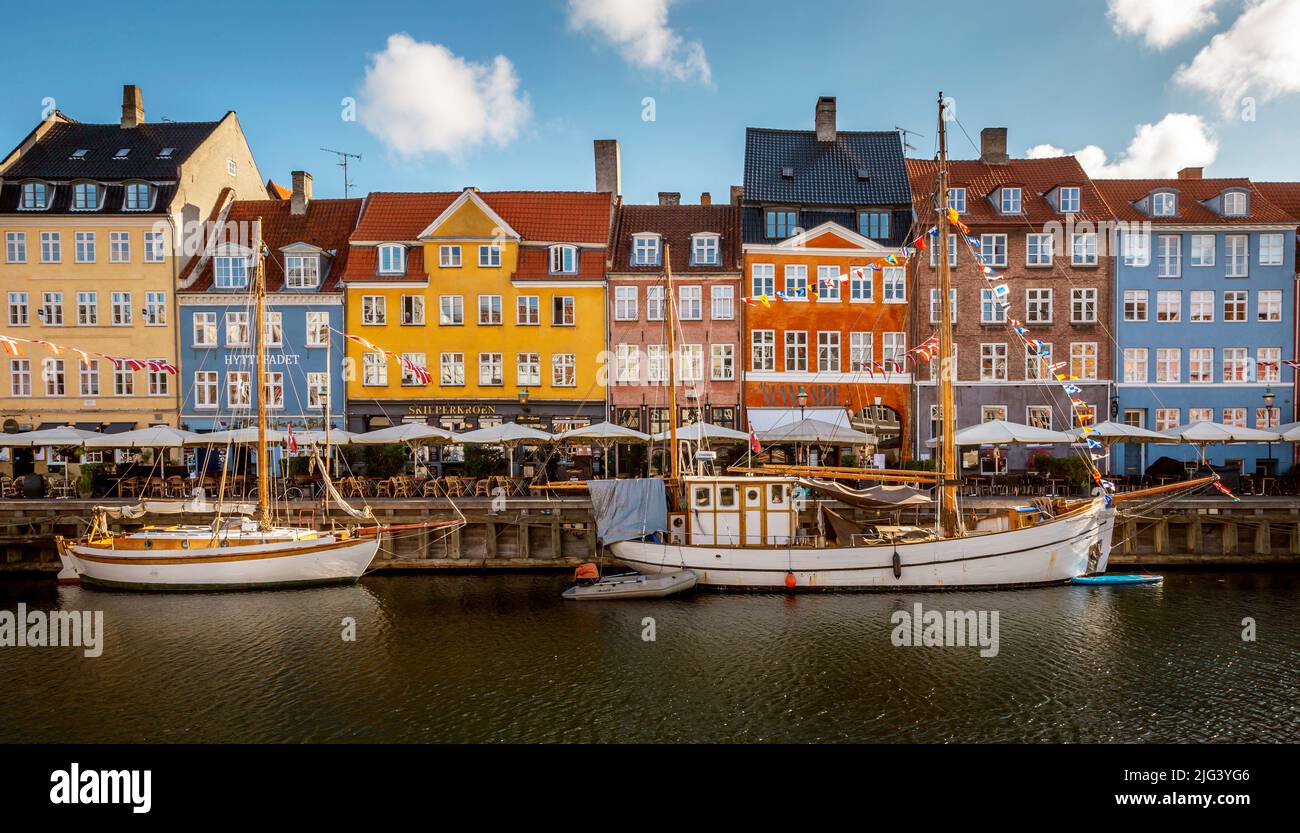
(904, 132)
(343, 163)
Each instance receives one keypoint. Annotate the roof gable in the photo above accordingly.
(832, 236)
(469, 216)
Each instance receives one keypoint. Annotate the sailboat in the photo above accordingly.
(242, 548)
(744, 531)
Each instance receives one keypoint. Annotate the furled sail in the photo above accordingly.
(196, 506)
(361, 514)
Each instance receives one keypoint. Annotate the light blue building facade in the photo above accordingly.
(1204, 320)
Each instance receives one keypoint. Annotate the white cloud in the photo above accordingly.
(1257, 57)
(640, 31)
(421, 97)
(1161, 23)
(1179, 140)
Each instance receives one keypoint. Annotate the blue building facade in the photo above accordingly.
(1204, 320)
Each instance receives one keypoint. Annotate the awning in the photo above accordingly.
(765, 419)
(87, 426)
(119, 427)
(45, 426)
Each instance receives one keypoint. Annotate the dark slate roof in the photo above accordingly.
(51, 156)
(754, 228)
(825, 173)
(114, 195)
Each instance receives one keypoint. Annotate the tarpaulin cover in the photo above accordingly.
(626, 510)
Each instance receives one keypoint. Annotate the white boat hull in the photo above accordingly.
(1050, 553)
(322, 560)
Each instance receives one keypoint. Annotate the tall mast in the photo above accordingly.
(263, 461)
(672, 364)
(949, 519)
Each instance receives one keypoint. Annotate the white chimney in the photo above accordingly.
(301, 193)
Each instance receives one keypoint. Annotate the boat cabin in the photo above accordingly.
(738, 511)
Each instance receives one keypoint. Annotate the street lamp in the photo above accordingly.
(1269, 396)
(523, 396)
(802, 399)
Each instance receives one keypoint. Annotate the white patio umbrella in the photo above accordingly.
(155, 436)
(697, 431)
(1290, 433)
(316, 436)
(1119, 432)
(508, 434)
(1206, 433)
(238, 436)
(816, 431)
(413, 433)
(603, 432)
(1001, 432)
(65, 436)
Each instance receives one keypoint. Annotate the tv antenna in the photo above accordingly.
(904, 133)
(343, 163)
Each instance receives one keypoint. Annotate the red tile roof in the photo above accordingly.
(548, 216)
(676, 223)
(1036, 178)
(276, 191)
(1121, 194)
(534, 264)
(1285, 195)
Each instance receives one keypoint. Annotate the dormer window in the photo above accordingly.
(392, 259)
(166, 153)
(781, 223)
(122, 153)
(1068, 202)
(874, 224)
(704, 250)
(136, 196)
(79, 154)
(1235, 204)
(1010, 202)
(36, 196)
(645, 250)
(1164, 204)
(957, 199)
(564, 260)
(85, 196)
(230, 271)
(302, 271)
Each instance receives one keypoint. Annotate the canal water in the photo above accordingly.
(501, 658)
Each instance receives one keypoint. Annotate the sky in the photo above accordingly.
(510, 95)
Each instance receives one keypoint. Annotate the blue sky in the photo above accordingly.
(1053, 73)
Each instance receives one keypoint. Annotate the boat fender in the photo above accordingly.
(898, 565)
(790, 580)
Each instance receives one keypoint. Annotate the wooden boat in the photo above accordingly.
(633, 586)
(1116, 580)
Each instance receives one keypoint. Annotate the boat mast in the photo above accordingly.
(263, 463)
(672, 367)
(949, 518)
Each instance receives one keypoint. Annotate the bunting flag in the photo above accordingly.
(293, 441)
(10, 346)
(1226, 491)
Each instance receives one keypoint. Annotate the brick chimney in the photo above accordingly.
(993, 146)
(132, 106)
(1191, 173)
(609, 167)
(737, 194)
(824, 119)
(706, 198)
(301, 193)
(670, 197)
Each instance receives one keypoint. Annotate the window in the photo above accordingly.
(1081, 417)
(1237, 256)
(153, 247)
(231, 168)
(1069, 200)
(302, 271)
(87, 309)
(993, 362)
(893, 346)
(1202, 306)
(952, 252)
(392, 259)
(409, 362)
(374, 369)
(1203, 250)
(796, 281)
(36, 196)
(1235, 364)
(828, 352)
(1200, 365)
(828, 283)
(489, 255)
(991, 309)
(781, 223)
(1169, 305)
(88, 378)
(1083, 360)
(491, 370)
(936, 312)
(692, 363)
(84, 245)
(860, 284)
(1010, 200)
(318, 388)
(762, 350)
(957, 199)
(1083, 306)
(449, 256)
(796, 351)
(1235, 303)
(722, 362)
(374, 310)
(1137, 249)
(1267, 418)
(1169, 365)
(1169, 256)
(273, 389)
(1268, 364)
(159, 382)
(627, 363)
(1039, 249)
(15, 247)
(860, 352)
(1135, 304)
(204, 329)
(137, 196)
(273, 329)
(1268, 305)
(230, 272)
(121, 313)
(564, 370)
(1164, 204)
(20, 377)
(874, 224)
(1234, 204)
(1135, 365)
(18, 310)
(52, 309)
(239, 389)
(625, 300)
(119, 247)
(763, 279)
(894, 285)
(1038, 366)
(155, 309)
(692, 303)
(489, 310)
(1167, 418)
(704, 250)
(528, 310)
(645, 250)
(1083, 252)
(205, 389)
(318, 328)
(85, 196)
(1038, 306)
(237, 329)
(1039, 416)
(528, 369)
(52, 370)
(656, 363)
(451, 310)
(564, 260)
(451, 369)
(993, 249)
(1235, 417)
(722, 303)
(413, 310)
(563, 311)
(1270, 250)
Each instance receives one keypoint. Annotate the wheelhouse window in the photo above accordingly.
(85, 196)
(35, 196)
(136, 197)
(392, 259)
(230, 271)
(302, 271)
(564, 260)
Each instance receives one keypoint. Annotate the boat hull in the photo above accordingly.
(279, 564)
(1050, 553)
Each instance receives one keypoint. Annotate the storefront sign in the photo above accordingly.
(787, 395)
(450, 409)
